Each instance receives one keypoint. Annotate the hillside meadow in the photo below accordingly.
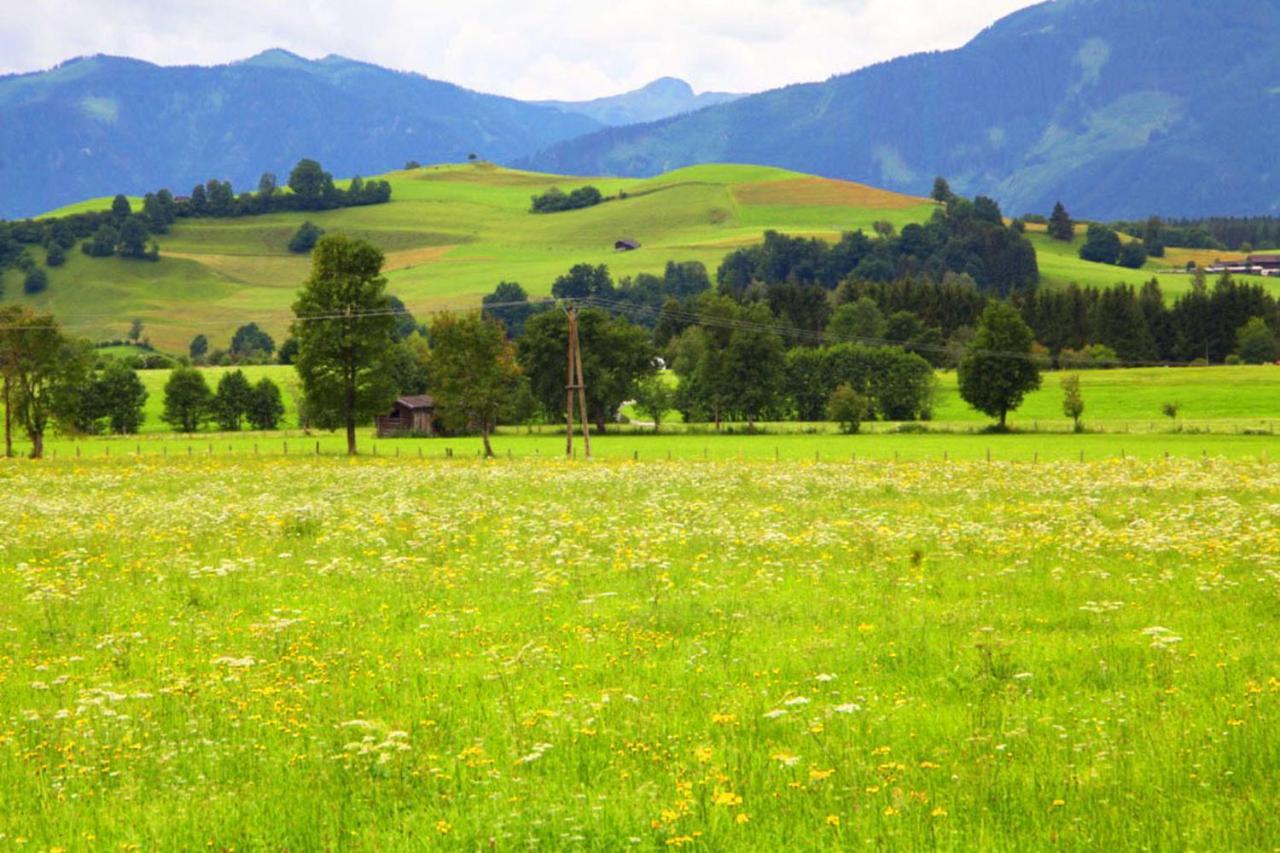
(452, 232)
(245, 653)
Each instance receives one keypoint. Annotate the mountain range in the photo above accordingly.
(1119, 108)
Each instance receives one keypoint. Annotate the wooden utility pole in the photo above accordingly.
(574, 381)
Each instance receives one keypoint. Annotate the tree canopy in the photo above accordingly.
(346, 335)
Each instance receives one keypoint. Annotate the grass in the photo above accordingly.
(1114, 399)
(1231, 411)
(452, 232)
(271, 653)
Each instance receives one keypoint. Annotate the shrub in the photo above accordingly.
(36, 281)
(305, 238)
(556, 200)
(1091, 357)
(847, 407)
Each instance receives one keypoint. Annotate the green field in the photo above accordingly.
(1115, 399)
(451, 233)
(1227, 411)
(376, 654)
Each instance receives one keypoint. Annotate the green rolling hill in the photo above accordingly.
(452, 232)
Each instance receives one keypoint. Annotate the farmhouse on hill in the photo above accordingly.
(626, 244)
(412, 415)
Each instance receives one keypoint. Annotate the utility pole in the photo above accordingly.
(575, 382)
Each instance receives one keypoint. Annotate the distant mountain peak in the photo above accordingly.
(657, 99)
(667, 86)
(275, 57)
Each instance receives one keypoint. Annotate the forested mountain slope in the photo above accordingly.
(102, 125)
(1122, 108)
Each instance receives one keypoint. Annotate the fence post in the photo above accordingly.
(286, 448)
(317, 447)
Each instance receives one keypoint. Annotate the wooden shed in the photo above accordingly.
(413, 415)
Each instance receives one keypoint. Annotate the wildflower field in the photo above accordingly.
(302, 653)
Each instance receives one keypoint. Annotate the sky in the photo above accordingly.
(563, 49)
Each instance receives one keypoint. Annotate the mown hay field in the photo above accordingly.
(379, 654)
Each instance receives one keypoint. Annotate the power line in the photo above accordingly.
(381, 312)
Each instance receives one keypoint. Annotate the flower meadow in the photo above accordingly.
(385, 654)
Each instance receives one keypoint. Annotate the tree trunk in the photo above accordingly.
(484, 435)
(1003, 414)
(351, 416)
(8, 421)
(717, 415)
(37, 445)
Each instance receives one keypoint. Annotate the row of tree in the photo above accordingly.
(189, 403)
(50, 378)
(310, 188)
(1232, 233)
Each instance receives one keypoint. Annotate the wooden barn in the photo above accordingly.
(413, 415)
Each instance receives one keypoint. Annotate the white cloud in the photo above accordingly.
(539, 49)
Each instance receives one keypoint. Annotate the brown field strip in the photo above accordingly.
(823, 192)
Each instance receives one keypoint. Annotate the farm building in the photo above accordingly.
(626, 244)
(413, 415)
(1251, 265)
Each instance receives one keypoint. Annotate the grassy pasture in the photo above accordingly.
(241, 653)
(453, 232)
(1114, 399)
(1225, 411)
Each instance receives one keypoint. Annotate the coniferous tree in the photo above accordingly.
(1060, 225)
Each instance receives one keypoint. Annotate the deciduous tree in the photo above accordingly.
(345, 335)
(186, 399)
(473, 372)
(998, 370)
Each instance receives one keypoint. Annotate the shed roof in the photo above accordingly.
(417, 401)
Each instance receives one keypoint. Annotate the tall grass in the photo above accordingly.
(309, 654)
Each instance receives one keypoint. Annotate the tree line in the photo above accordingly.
(556, 200)
(962, 237)
(1226, 233)
(123, 232)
